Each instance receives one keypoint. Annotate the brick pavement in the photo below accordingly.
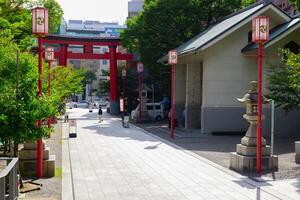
(111, 162)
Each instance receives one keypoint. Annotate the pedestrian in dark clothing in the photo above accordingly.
(100, 114)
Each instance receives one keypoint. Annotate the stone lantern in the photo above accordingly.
(244, 159)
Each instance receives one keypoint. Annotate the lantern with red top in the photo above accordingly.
(260, 29)
(40, 28)
(260, 34)
(40, 21)
(172, 60)
(49, 54)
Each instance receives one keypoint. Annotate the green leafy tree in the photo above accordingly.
(15, 19)
(104, 84)
(296, 2)
(165, 24)
(284, 81)
(65, 81)
(20, 106)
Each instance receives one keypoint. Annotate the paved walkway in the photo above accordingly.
(110, 162)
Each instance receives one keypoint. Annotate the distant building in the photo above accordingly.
(134, 6)
(91, 28)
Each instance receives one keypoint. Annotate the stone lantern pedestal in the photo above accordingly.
(244, 159)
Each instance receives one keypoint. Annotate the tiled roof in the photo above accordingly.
(218, 29)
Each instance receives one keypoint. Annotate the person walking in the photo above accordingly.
(100, 114)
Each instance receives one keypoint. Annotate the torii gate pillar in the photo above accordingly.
(63, 54)
(114, 101)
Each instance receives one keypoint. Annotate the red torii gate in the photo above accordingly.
(88, 42)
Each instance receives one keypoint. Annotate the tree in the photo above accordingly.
(165, 24)
(15, 19)
(284, 81)
(20, 106)
(89, 77)
(296, 2)
(65, 82)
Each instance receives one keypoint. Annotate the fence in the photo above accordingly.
(10, 173)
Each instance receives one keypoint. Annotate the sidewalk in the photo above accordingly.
(111, 162)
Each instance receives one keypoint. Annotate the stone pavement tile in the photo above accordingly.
(151, 168)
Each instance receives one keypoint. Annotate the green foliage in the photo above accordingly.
(89, 77)
(65, 82)
(55, 14)
(296, 2)
(20, 110)
(165, 24)
(246, 3)
(284, 81)
(15, 19)
(104, 84)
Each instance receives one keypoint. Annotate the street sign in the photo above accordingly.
(140, 67)
(260, 29)
(172, 57)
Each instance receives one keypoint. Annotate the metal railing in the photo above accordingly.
(10, 174)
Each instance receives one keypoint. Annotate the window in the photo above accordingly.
(157, 107)
(149, 107)
(104, 62)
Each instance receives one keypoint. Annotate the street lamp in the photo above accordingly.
(40, 29)
(49, 56)
(172, 60)
(260, 34)
(140, 69)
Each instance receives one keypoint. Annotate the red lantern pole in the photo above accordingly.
(259, 129)
(49, 89)
(172, 103)
(40, 141)
(140, 99)
(172, 60)
(260, 34)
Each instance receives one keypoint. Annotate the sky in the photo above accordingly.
(101, 10)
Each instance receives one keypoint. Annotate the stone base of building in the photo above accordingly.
(297, 151)
(244, 163)
(28, 161)
(297, 159)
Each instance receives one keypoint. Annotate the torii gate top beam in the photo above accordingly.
(69, 40)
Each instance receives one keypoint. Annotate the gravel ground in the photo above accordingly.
(217, 148)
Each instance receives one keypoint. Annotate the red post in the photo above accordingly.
(40, 142)
(259, 129)
(63, 54)
(49, 90)
(113, 68)
(140, 99)
(124, 90)
(172, 103)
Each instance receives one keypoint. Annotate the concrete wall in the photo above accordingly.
(193, 100)
(226, 76)
(180, 91)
